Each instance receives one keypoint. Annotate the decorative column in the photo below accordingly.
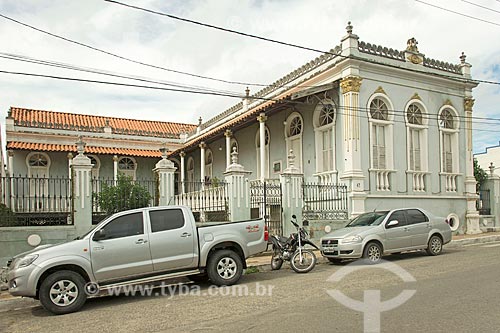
(353, 174)
(228, 134)
(10, 161)
(82, 198)
(238, 189)
(70, 160)
(472, 215)
(165, 170)
(183, 172)
(292, 200)
(262, 147)
(202, 146)
(115, 168)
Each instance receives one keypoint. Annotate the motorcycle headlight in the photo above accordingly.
(25, 261)
(352, 239)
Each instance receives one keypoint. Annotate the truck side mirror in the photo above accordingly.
(99, 235)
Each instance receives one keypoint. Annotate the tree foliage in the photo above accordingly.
(479, 174)
(125, 194)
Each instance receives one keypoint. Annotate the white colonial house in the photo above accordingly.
(359, 128)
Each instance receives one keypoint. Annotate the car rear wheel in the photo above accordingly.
(372, 253)
(63, 292)
(435, 246)
(224, 268)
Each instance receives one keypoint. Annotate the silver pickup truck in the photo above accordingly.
(135, 247)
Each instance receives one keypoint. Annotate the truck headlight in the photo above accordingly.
(352, 239)
(25, 261)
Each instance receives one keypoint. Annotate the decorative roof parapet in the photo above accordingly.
(400, 55)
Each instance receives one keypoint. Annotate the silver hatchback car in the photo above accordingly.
(374, 234)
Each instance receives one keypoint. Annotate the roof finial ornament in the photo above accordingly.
(411, 45)
(234, 156)
(200, 121)
(80, 146)
(349, 28)
(247, 92)
(462, 58)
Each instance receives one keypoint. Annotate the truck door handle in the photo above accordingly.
(98, 248)
(141, 241)
(186, 234)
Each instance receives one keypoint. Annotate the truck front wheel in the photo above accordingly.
(63, 292)
(224, 267)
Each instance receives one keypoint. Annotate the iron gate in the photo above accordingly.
(265, 201)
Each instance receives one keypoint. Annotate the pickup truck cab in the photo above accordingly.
(135, 247)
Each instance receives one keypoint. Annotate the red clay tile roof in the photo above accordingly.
(89, 123)
(88, 149)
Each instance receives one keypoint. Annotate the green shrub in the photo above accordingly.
(122, 196)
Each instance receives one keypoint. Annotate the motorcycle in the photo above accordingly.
(292, 249)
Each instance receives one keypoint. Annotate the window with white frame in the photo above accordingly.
(417, 124)
(38, 170)
(324, 129)
(127, 166)
(266, 152)
(208, 164)
(381, 123)
(448, 127)
(293, 134)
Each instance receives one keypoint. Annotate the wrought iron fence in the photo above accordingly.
(207, 200)
(123, 199)
(35, 201)
(483, 202)
(324, 201)
(265, 201)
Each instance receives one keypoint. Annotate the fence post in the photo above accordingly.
(238, 189)
(292, 199)
(165, 171)
(82, 198)
(493, 184)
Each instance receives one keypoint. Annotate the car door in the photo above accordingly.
(172, 240)
(397, 237)
(124, 249)
(419, 227)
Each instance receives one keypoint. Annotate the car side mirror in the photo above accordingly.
(294, 216)
(392, 223)
(99, 235)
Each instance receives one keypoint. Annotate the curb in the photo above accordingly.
(473, 240)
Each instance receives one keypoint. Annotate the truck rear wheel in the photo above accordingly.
(63, 292)
(224, 267)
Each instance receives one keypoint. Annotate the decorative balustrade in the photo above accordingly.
(327, 177)
(382, 179)
(450, 182)
(419, 181)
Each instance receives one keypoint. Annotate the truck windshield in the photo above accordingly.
(367, 219)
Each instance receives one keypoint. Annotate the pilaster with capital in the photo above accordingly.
(228, 134)
(262, 118)
(202, 146)
(183, 168)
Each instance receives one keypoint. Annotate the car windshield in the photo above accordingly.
(367, 219)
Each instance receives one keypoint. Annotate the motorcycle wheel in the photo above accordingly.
(276, 261)
(306, 265)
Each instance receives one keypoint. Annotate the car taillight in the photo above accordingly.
(266, 234)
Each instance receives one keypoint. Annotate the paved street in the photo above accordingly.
(457, 291)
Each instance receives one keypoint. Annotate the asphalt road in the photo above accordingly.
(458, 291)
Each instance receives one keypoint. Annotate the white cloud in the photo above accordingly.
(186, 47)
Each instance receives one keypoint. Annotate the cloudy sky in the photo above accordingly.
(185, 47)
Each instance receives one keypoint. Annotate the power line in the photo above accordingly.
(102, 72)
(458, 13)
(130, 59)
(398, 113)
(481, 6)
(295, 45)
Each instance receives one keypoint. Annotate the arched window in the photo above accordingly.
(208, 164)
(417, 123)
(38, 170)
(266, 152)
(190, 170)
(324, 128)
(293, 134)
(127, 166)
(448, 128)
(96, 165)
(381, 132)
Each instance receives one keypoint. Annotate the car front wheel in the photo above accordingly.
(372, 253)
(63, 292)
